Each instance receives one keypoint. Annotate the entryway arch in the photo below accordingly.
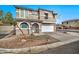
(35, 28)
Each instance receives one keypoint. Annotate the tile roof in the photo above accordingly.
(71, 20)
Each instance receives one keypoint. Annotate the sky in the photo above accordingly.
(64, 12)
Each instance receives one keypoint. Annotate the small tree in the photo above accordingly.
(8, 18)
(14, 23)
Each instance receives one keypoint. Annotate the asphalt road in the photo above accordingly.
(68, 30)
(72, 48)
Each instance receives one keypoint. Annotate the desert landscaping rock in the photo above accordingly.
(30, 41)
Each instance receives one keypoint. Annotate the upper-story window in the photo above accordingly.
(30, 12)
(22, 13)
(26, 14)
(17, 14)
(34, 13)
(46, 15)
(17, 9)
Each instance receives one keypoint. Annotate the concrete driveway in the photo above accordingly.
(70, 48)
(64, 36)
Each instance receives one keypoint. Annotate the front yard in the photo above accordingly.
(28, 41)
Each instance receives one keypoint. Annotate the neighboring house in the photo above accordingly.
(71, 24)
(58, 26)
(35, 21)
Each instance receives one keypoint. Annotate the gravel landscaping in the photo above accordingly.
(28, 41)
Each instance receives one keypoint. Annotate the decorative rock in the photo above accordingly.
(23, 40)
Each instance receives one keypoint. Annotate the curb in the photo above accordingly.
(36, 49)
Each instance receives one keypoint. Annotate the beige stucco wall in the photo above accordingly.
(50, 16)
(5, 29)
(73, 24)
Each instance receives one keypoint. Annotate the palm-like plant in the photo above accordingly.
(8, 18)
(1, 15)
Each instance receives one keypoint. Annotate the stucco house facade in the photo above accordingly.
(35, 21)
(71, 24)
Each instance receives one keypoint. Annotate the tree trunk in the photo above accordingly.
(14, 30)
(20, 30)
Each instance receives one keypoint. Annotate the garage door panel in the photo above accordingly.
(47, 28)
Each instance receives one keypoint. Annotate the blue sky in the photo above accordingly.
(65, 12)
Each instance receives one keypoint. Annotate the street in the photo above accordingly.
(68, 30)
(72, 48)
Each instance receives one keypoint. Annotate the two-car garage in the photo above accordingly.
(47, 28)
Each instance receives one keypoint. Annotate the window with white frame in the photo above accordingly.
(22, 13)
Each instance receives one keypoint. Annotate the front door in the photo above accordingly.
(35, 28)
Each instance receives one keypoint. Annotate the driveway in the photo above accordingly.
(63, 36)
(70, 48)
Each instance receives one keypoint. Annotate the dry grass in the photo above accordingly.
(28, 41)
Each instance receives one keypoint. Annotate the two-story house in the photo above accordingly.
(71, 24)
(35, 21)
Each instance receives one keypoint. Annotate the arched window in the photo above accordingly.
(24, 25)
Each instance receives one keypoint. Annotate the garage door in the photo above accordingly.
(47, 28)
